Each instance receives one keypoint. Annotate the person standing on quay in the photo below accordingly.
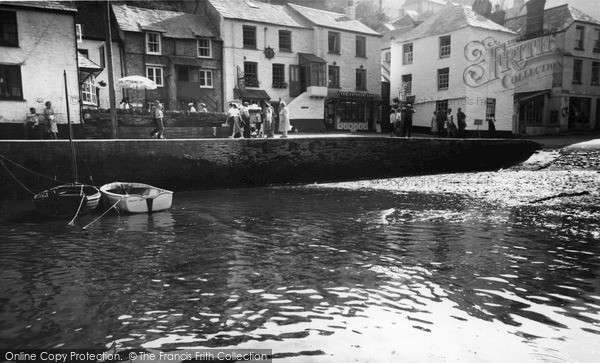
(461, 118)
(491, 126)
(442, 117)
(234, 118)
(245, 116)
(50, 124)
(157, 117)
(284, 120)
(407, 120)
(268, 124)
(395, 122)
(434, 129)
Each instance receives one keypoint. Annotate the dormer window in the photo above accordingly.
(153, 45)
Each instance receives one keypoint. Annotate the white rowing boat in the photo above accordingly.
(136, 197)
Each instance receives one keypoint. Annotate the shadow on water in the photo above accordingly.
(328, 272)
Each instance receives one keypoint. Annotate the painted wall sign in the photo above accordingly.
(356, 94)
(510, 62)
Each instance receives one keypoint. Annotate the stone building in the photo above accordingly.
(556, 62)
(37, 45)
(445, 63)
(176, 50)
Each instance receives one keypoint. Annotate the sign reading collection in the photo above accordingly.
(511, 63)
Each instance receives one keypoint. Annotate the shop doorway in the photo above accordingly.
(579, 113)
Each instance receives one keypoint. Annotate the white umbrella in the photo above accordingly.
(136, 82)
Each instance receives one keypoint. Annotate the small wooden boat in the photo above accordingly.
(136, 197)
(67, 200)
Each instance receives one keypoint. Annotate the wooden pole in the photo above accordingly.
(73, 158)
(111, 85)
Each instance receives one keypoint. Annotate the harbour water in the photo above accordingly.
(434, 268)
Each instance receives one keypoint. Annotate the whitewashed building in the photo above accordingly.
(37, 45)
(324, 65)
(444, 63)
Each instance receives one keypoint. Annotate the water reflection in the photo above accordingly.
(315, 274)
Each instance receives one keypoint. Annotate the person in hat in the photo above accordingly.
(203, 107)
(245, 116)
(407, 120)
(191, 107)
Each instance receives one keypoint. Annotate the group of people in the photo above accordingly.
(442, 123)
(192, 109)
(401, 121)
(46, 128)
(258, 121)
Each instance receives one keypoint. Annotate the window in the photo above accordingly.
(445, 46)
(334, 76)
(279, 76)
(10, 83)
(153, 43)
(595, 73)
(183, 74)
(361, 79)
(490, 107)
(251, 74)
(9, 37)
(285, 41)
(407, 84)
(441, 105)
(361, 46)
(597, 41)
(102, 56)
(334, 42)
(204, 48)
(155, 74)
(577, 69)
(579, 37)
(88, 91)
(388, 57)
(205, 78)
(443, 78)
(249, 34)
(407, 53)
(78, 33)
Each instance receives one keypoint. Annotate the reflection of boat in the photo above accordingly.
(67, 200)
(136, 197)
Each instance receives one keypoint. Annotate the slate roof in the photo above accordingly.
(555, 19)
(171, 24)
(451, 18)
(329, 19)
(258, 12)
(45, 5)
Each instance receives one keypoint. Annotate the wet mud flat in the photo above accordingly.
(549, 176)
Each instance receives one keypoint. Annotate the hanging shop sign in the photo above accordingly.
(509, 62)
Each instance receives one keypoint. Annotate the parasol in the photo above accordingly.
(136, 82)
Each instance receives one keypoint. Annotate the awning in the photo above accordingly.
(251, 94)
(353, 95)
(87, 68)
(310, 58)
(528, 95)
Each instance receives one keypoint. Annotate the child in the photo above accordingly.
(51, 125)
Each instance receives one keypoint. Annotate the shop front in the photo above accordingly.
(352, 111)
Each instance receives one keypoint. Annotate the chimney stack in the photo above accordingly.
(498, 15)
(482, 7)
(351, 10)
(535, 17)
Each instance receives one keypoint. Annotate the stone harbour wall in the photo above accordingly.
(226, 163)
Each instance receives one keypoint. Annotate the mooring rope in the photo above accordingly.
(78, 209)
(31, 171)
(15, 178)
(102, 215)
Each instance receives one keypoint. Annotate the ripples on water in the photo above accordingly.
(315, 275)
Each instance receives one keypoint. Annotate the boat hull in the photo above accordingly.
(136, 197)
(68, 200)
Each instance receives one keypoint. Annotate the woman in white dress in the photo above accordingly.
(284, 120)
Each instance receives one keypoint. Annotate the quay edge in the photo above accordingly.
(192, 164)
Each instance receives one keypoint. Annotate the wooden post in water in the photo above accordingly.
(111, 85)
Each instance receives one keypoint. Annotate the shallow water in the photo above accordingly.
(314, 273)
